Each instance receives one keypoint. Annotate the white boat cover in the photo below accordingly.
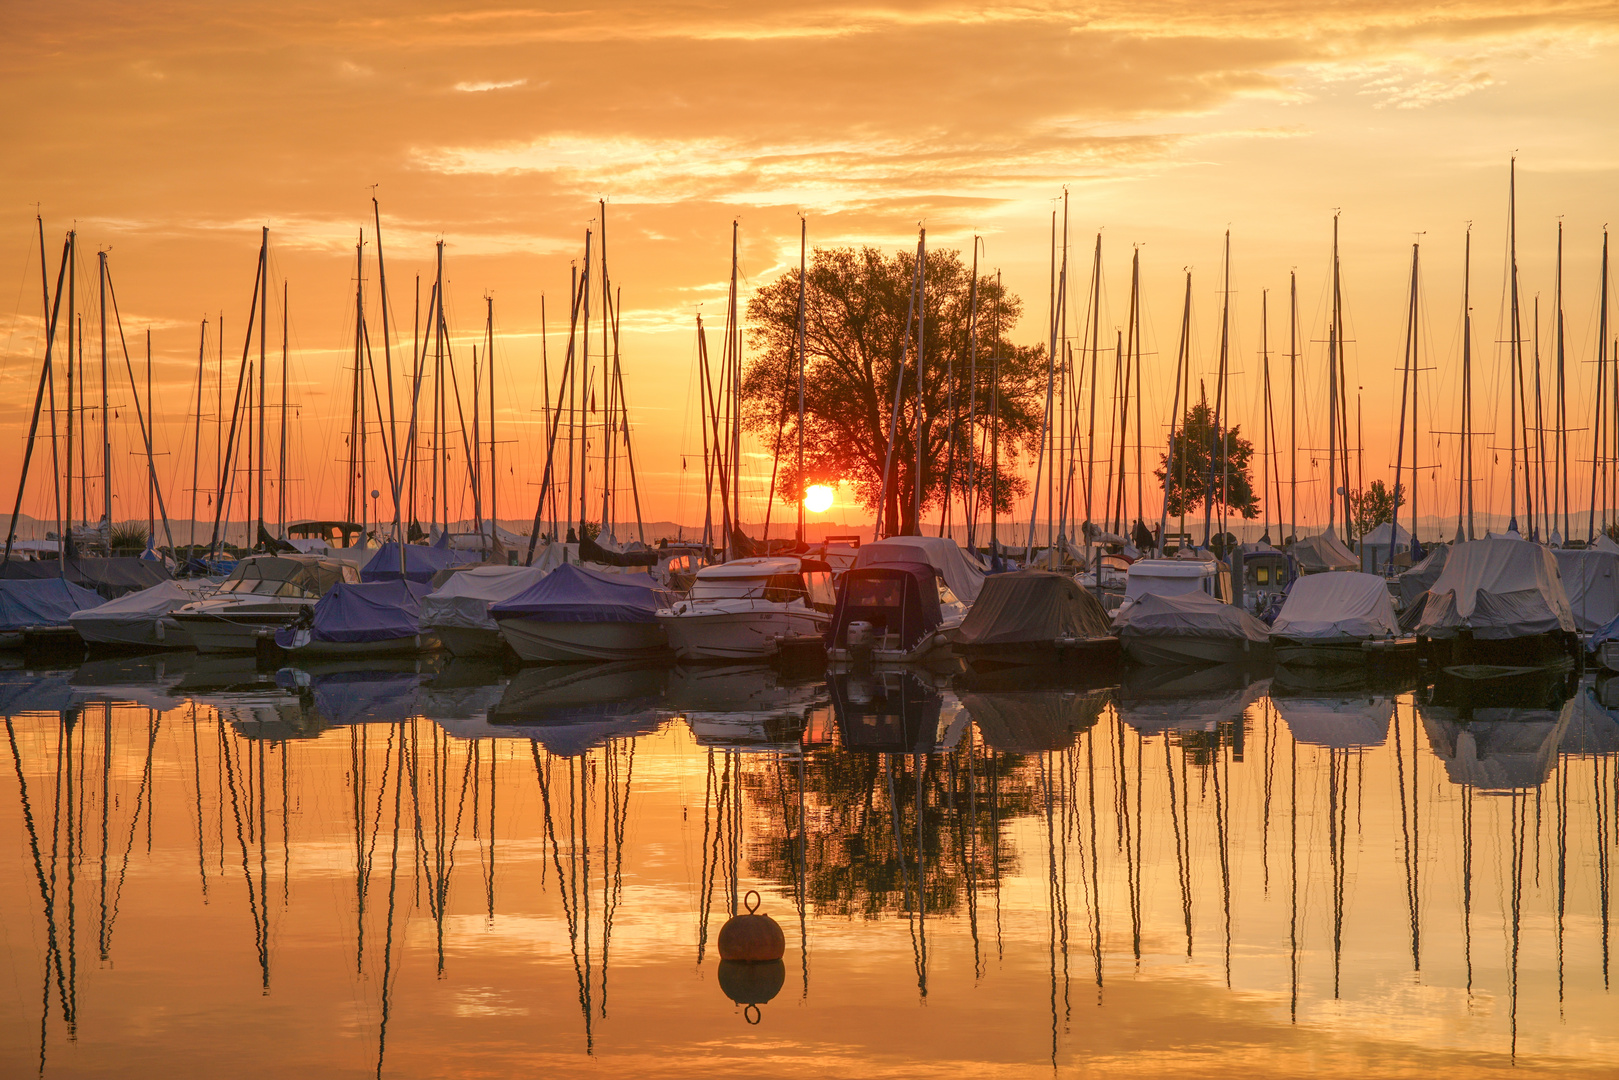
(1604, 542)
(1188, 615)
(1499, 588)
(1337, 606)
(463, 601)
(1341, 723)
(1315, 554)
(131, 619)
(962, 574)
(1415, 582)
(1591, 581)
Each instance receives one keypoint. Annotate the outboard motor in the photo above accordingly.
(860, 636)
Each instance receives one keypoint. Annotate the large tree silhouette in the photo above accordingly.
(856, 308)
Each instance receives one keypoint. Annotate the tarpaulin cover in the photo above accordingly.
(1415, 582)
(1189, 615)
(1337, 606)
(41, 603)
(463, 600)
(1033, 721)
(421, 562)
(1315, 554)
(138, 609)
(1591, 582)
(574, 594)
(962, 574)
(111, 577)
(1337, 722)
(1031, 606)
(1499, 588)
(367, 611)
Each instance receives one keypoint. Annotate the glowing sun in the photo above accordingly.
(818, 499)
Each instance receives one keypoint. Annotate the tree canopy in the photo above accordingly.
(1375, 505)
(857, 303)
(1185, 472)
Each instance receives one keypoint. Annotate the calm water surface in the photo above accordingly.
(442, 870)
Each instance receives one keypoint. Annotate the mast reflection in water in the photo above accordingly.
(409, 869)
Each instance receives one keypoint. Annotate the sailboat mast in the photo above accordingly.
(106, 432)
(1515, 356)
(1416, 398)
(151, 475)
(1405, 386)
(1601, 422)
(72, 339)
(196, 432)
(1293, 402)
(1467, 379)
(264, 316)
(1332, 393)
(1563, 462)
(489, 362)
(1215, 440)
(281, 466)
(995, 424)
(969, 489)
(1174, 418)
(918, 479)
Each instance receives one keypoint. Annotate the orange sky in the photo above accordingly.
(170, 133)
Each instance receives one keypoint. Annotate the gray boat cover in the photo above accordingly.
(1591, 582)
(463, 601)
(1340, 723)
(1337, 606)
(1315, 554)
(1414, 583)
(1031, 606)
(1499, 588)
(1188, 615)
(131, 619)
(962, 573)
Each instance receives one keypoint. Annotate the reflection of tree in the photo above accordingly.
(862, 834)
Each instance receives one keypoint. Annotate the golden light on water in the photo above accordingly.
(818, 499)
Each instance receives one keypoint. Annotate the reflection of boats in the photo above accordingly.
(28, 691)
(1033, 721)
(1496, 749)
(570, 708)
(357, 692)
(894, 710)
(742, 706)
(462, 695)
(1467, 685)
(574, 615)
(1592, 730)
(1154, 700)
(263, 594)
(1340, 722)
(147, 680)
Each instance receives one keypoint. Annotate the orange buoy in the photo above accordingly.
(752, 938)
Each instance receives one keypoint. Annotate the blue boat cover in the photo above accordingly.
(421, 562)
(368, 611)
(570, 593)
(46, 602)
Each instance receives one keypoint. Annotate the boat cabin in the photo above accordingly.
(776, 579)
(287, 575)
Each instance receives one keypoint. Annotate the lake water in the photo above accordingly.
(208, 870)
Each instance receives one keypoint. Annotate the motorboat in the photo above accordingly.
(893, 613)
(1499, 601)
(1329, 617)
(961, 573)
(1189, 628)
(1174, 577)
(367, 618)
(141, 620)
(750, 609)
(32, 606)
(579, 615)
(1036, 617)
(263, 594)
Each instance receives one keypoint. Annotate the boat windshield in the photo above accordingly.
(286, 577)
(777, 588)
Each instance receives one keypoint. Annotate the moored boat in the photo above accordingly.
(1189, 628)
(891, 614)
(368, 618)
(577, 615)
(1036, 617)
(750, 609)
(1499, 602)
(1328, 618)
(141, 620)
(458, 610)
(263, 594)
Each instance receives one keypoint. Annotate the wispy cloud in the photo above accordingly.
(485, 86)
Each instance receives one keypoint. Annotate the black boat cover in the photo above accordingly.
(1032, 606)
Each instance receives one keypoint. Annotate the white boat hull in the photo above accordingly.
(741, 635)
(225, 627)
(581, 642)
